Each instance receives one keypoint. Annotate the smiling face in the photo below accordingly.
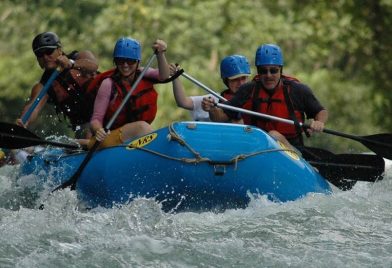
(126, 67)
(270, 75)
(47, 57)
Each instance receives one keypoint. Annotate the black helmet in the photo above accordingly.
(46, 40)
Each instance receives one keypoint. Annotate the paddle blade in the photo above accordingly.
(344, 170)
(381, 144)
(14, 137)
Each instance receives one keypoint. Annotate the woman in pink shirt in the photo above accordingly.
(135, 117)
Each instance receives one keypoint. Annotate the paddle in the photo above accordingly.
(198, 83)
(341, 170)
(15, 137)
(344, 170)
(72, 181)
(381, 144)
(41, 94)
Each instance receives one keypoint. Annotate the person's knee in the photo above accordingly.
(276, 135)
(114, 138)
(144, 127)
(138, 128)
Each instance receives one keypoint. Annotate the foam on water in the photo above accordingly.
(345, 229)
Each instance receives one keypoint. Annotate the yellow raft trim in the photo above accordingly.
(142, 141)
(289, 151)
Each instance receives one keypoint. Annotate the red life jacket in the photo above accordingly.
(68, 95)
(142, 105)
(227, 94)
(94, 85)
(276, 104)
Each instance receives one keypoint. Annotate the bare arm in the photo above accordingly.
(34, 93)
(85, 62)
(322, 116)
(319, 121)
(160, 46)
(216, 114)
(182, 100)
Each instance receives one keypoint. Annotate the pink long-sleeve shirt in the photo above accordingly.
(102, 100)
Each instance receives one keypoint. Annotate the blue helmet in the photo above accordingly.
(234, 66)
(127, 48)
(269, 54)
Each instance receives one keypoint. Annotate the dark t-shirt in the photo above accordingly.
(301, 95)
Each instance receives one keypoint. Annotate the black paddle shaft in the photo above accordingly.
(72, 181)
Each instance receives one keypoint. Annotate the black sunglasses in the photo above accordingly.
(270, 70)
(47, 51)
(122, 61)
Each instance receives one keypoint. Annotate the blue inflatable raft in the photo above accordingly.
(188, 166)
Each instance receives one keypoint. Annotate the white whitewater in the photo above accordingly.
(345, 229)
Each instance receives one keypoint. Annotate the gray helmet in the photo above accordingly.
(46, 40)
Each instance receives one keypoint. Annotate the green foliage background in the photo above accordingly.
(340, 48)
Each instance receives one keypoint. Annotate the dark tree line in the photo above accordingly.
(341, 49)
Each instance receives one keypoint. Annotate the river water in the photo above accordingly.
(345, 229)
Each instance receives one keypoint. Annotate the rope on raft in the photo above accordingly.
(173, 135)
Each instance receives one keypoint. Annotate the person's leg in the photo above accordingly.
(113, 139)
(135, 129)
(83, 135)
(122, 134)
(279, 137)
(83, 142)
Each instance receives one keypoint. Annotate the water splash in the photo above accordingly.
(345, 229)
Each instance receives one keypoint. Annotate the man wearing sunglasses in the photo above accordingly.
(272, 93)
(66, 92)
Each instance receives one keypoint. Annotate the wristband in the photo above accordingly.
(73, 63)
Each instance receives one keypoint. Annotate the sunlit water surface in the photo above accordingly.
(345, 229)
